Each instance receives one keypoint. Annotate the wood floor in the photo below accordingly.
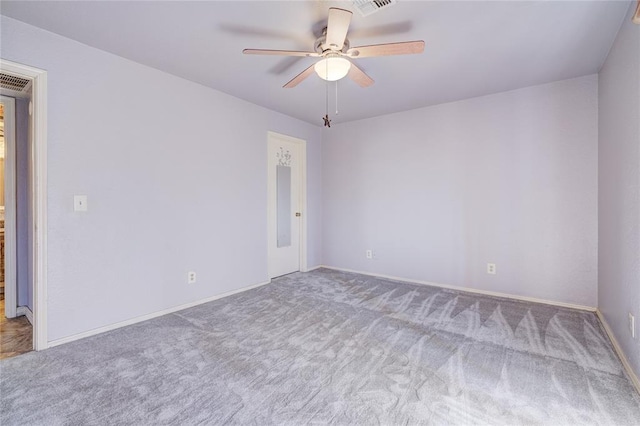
(15, 334)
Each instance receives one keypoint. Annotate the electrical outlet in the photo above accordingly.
(80, 203)
(491, 268)
(369, 254)
(191, 277)
(632, 325)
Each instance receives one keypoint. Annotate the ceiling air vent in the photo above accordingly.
(367, 7)
(14, 83)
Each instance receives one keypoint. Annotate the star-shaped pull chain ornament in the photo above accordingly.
(327, 122)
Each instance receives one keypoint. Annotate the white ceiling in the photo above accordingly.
(472, 48)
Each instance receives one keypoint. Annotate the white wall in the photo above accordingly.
(439, 192)
(175, 175)
(619, 188)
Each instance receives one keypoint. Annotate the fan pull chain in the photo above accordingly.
(327, 122)
(327, 99)
(326, 74)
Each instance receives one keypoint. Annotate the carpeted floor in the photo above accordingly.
(332, 347)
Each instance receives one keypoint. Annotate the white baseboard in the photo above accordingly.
(24, 310)
(621, 355)
(470, 290)
(146, 317)
(314, 268)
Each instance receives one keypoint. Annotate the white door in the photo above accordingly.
(285, 178)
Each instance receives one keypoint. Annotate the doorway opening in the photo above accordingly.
(24, 89)
(16, 332)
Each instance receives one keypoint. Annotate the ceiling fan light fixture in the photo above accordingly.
(332, 68)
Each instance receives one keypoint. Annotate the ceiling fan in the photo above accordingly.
(334, 49)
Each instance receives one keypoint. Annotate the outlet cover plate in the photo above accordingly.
(80, 203)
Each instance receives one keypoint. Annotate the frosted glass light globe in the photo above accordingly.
(332, 68)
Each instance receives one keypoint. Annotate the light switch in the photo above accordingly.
(80, 203)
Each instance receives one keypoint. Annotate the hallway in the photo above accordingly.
(15, 334)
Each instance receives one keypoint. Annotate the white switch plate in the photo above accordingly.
(369, 254)
(491, 268)
(632, 325)
(191, 277)
(80, 203)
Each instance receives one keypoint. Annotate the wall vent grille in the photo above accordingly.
(367, 7)
(12, 82)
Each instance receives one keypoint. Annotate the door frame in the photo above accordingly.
(302, 208)
(37, 193)
(10, 265)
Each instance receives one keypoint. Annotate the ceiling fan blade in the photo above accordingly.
(278, 52)
(284, 64)
(402, 48)
(337, 27)
(357, 75)
(300, 77)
